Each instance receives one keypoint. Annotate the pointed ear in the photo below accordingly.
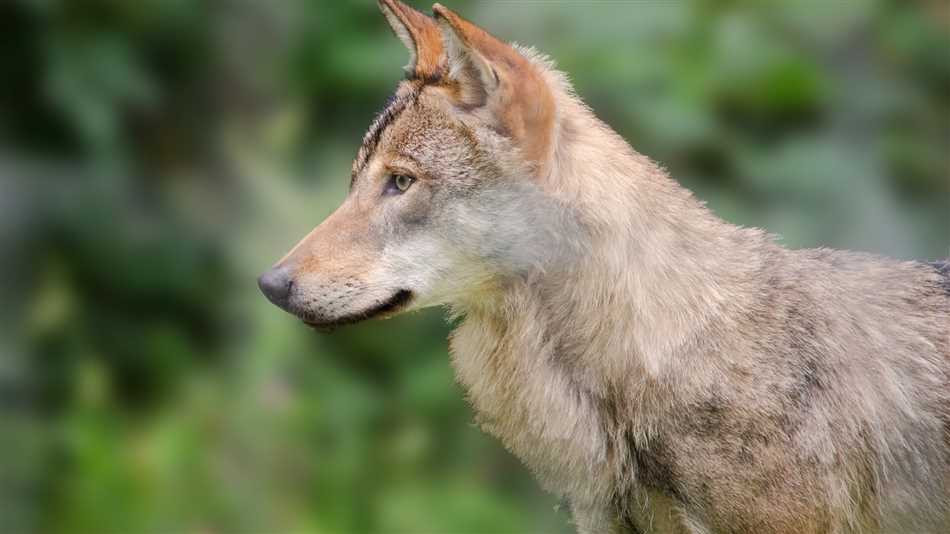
(419, 33)
(485, 71)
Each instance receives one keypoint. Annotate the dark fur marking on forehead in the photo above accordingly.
(395, 105)
(390, 100)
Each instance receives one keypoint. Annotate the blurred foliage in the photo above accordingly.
(155, 155)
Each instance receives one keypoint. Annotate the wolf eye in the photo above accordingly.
(399, 183)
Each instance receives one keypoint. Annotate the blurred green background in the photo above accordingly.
(156, 155)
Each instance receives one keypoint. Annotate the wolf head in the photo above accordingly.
(444, 204)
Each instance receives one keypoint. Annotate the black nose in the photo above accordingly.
(275, 284)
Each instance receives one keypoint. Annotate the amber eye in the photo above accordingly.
(399, 183)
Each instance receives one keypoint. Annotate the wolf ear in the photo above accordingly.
(419, 33)
(486, 72)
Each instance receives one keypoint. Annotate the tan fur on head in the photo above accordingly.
(480, 73)
(487, 71)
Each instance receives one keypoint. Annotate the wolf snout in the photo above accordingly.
(275, 284)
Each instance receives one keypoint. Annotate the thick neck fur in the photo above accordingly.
(556, 351)
(655, 249)
(651, 249)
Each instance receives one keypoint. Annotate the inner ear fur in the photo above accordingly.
(485, 71)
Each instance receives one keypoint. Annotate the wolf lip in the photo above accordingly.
(394, 303)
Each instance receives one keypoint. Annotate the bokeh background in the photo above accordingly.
(156, 155)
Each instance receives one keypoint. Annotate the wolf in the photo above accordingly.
(660, 369)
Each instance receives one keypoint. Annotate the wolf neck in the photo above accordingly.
(659, 272)
(557, 351)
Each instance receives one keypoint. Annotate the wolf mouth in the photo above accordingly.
(394, 303)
